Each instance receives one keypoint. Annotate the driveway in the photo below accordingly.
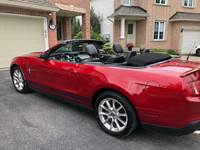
(35, 121)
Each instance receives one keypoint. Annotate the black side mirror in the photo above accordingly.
(43, 56)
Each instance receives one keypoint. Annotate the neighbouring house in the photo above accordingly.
(163, 24)
(36, 25)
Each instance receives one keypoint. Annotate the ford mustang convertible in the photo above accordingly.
(151, 90)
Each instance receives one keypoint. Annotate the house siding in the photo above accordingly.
(52, 34)
(145, 29)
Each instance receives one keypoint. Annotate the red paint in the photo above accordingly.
(170, 105)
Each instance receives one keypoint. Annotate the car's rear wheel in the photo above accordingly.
(115, 114)
(19, 80)
(198, 52)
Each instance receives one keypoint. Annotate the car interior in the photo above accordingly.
(82, 52)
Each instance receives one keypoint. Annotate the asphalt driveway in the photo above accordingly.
(35, 121)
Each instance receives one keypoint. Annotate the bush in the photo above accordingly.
(78, 35)
(93, 35)
(108, 49)
(171, 52)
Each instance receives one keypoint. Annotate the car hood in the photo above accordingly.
(177, 67)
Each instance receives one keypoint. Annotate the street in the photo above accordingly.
(36, 121)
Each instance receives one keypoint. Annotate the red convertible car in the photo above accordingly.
(151, 90)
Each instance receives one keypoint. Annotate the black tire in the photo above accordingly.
(25, 87)
(198, 52)
(132, 119)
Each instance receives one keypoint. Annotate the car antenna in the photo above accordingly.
(191, 51)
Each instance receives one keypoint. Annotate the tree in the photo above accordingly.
(75, 26)
(95, 21)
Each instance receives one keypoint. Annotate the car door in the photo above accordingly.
(57, 77)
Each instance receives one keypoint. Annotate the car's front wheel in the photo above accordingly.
(19, 80)
(115, 114)
(198, 52)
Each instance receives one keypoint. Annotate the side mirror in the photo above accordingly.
(43, 56)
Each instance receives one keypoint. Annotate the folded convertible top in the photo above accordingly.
(148, 59)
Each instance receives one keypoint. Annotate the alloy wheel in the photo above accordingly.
(113, 115)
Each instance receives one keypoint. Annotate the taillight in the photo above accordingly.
(194, 88)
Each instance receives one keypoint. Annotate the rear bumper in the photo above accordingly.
(187, 129)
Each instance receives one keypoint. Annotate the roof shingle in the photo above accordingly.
(37, 2)
(129, 11)
(185, 16)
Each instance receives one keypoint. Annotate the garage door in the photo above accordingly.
(19, 35)
(189, 37)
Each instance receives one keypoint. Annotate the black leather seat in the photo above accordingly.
(116, 58)
(93, 53)
(130, 54)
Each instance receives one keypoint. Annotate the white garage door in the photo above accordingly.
(189, 37)
(19, 35)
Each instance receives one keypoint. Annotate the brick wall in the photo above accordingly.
(163, 13)
(85, 17)
(52, 34)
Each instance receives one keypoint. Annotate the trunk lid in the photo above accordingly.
(179, 67)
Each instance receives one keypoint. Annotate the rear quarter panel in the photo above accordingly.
(156, 108)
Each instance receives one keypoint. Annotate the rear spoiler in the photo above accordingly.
(190, 71)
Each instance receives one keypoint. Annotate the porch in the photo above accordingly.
(129, 25)
(63, 21)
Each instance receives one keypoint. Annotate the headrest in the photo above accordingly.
(117, 48)
(91, 50)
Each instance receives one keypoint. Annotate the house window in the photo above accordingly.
(126, 2)
(130, 28)
(59, 30)
(163, 2)
(188, 3)
(159, 30)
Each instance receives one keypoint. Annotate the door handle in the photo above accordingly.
(72, 70)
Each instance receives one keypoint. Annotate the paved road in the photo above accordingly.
(34, 121)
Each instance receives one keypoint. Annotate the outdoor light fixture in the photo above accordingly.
(51, 25)
(182, 29)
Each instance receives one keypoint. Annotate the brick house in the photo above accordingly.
(28, 25)
(163, 24)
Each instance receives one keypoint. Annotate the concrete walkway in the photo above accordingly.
(192, 58)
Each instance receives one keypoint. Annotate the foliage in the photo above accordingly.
(171, 52)
(129, 45)
(168, 51)
(142, 46)
(97, 36)
(93, 35)
(75, 26)
(78, 35)
(95, 21)
(108, 49)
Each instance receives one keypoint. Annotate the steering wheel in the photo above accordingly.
(66, 53)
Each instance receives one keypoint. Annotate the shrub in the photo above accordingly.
(142, 47)
(171, 52)
(108, 49)
(78, 35)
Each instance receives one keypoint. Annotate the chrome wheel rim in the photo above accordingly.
(18, 80)
(112, 115)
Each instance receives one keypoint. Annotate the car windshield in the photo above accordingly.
(78, 48)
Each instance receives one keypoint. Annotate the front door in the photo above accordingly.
(57, 77)
(131, 32)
